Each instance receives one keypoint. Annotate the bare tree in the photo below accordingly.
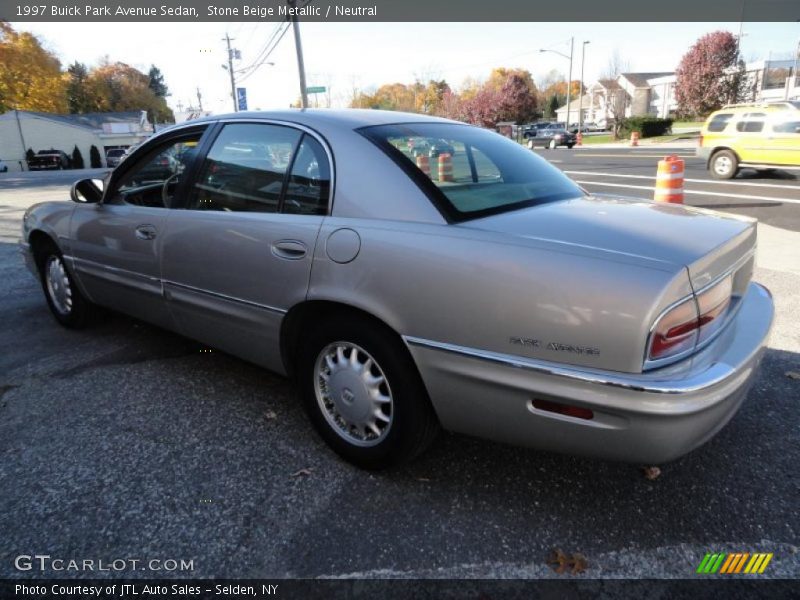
(616, 65)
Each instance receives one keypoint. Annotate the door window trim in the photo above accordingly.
(157, 141)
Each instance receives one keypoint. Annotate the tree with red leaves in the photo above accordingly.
(709, 75)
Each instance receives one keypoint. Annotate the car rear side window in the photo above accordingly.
(245, 169)
(309, 181)
(469, 172)
(786, 127)
(719, 122)
(751, 123)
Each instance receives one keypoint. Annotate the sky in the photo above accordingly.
(344, 56)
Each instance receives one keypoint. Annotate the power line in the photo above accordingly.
(254, 68)
(260, 53)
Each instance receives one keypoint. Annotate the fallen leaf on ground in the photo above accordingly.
(561, 562)
(793, 374)
(269, 415)
(302, 472)
(651, 473)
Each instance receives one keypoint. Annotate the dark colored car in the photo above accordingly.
(433, 148)
(49, 159)
(529, 131)
(550, 137)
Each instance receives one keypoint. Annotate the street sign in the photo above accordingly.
(241, 98)
(316, 90)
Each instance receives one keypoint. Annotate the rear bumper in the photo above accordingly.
(652, 417)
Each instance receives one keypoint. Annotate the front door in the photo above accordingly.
(238, 255)
(116, 248)
(783, 139)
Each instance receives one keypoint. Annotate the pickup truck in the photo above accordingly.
(49, 159)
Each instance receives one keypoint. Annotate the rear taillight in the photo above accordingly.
(685, 326)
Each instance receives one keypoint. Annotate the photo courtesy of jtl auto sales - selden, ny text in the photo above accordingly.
(399, 300)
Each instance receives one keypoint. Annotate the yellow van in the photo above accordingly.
(755, 136)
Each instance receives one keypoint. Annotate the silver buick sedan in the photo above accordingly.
(475, 288)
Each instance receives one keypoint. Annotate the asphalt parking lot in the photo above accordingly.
(123, 441)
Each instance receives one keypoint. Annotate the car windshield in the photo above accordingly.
(470, 172)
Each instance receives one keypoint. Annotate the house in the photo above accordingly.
(630, 94)
(21, 130)
(576, 106)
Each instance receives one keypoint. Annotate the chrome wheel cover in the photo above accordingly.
(58, 286)
(723, 165)
(353, 394)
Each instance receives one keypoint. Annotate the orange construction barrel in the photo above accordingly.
(669, 180)
(579, 139)
(634, 138)
(445, 167)
(424, 164)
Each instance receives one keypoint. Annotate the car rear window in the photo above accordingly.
(719, 122)
(470, 172)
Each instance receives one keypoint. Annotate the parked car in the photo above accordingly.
(759, 136)
(552, 137)
(48, 160)
(3, 167)
(496, 298)
(591, 127)
(114, 156)
(433, 148)
(532, 129)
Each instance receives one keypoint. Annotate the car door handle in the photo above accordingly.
(289, 249)
(146, 232)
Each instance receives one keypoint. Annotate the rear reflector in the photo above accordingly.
(563, 409)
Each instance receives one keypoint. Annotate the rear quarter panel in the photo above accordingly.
(438, 283)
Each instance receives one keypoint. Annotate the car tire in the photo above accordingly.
(552, 145)
(372, 408)
(723, 165)
(530, 144)
(570, 146)
(66, 302)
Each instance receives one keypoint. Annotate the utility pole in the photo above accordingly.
(569, 79)
(21, 140)
(228, 40)
(580, 97)
(299, 46)
(200, 99)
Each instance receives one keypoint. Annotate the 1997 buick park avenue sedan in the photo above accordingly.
(477, 289)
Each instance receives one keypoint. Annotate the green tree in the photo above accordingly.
(156, 82)
(77, 158)
(79, 95)
(94, 157)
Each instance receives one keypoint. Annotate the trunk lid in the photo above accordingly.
(708, 243)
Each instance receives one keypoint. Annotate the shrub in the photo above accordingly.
(94, 157)
(646, 126)
(77, 158)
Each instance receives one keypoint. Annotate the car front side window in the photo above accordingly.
(153, 180)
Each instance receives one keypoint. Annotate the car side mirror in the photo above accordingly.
(87, 191)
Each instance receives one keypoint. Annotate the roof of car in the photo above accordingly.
(351, 118)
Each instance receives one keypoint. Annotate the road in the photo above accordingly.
(773, 198)
(123, 441)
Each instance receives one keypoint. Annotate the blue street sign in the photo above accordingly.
(241, 98)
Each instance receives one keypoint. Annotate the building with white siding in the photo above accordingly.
(21, 130)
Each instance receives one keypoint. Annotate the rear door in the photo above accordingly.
(238, 255)
(751, 137)
(117, 243)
